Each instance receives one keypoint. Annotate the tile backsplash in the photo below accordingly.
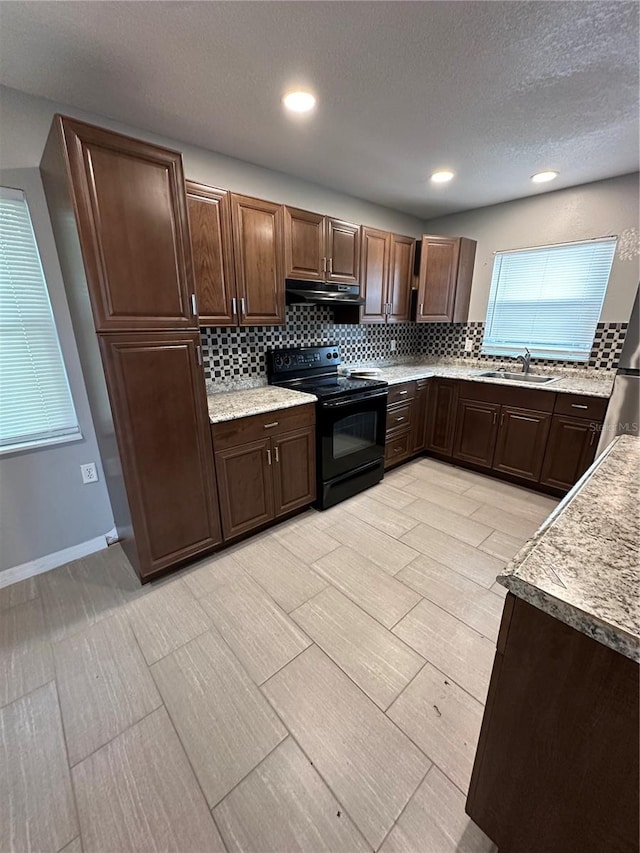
(231, 353)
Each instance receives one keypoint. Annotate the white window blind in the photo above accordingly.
(35, 400)
(548, 299)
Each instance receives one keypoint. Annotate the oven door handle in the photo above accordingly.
(359, 398)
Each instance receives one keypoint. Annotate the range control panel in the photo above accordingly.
(301, 359)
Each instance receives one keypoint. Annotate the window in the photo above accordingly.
(35, 400)
(548, 299)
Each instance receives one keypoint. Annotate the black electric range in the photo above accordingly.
(350, 419)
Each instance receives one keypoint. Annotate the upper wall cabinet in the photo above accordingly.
(386, 275)
(258, 231)
(444, 288)
(318, 248)
(132, 220)
(212, 244)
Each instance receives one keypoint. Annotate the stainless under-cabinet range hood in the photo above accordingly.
(322, 293)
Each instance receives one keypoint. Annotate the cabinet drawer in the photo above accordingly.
(397, 448)
(399, 417)
(401, 393)
(581, 406)
(265, 425)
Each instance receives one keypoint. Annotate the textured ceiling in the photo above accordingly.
(494, 90)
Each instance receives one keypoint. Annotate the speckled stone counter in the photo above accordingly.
(569, 381)
(582, 566)
(229, 405)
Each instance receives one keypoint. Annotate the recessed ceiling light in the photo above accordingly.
(442, 176)
(299, 102)
(543, 177)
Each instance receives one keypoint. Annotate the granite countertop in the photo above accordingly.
(569, 380)
(582, 565)
(242, 402)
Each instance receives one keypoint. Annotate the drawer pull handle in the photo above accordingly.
(578, 406)
(397, 450)
(399, 419)
(402, 392)
(271, 425)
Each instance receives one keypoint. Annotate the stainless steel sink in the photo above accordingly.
(534, 378)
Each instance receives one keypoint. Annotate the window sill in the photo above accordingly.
(40, 444)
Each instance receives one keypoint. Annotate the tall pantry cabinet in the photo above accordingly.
(119, 213)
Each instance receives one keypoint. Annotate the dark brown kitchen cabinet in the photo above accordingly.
(304, 245)
(421, 407)
(343, 251)
(476, 432)
(571, 448)
(245, 486)
(443, 398)
(386, 270)
(258, 243)
(319, 248)
(374, 272)
(294, 457)
(266, 467)
(444, 284)
(156, 387)
(212, 245)
(131, 216)
(521, 442)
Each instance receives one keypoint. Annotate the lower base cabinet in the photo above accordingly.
(521, 442)
(570, 450)
(265, 467)
(476, 432)
(158, 400)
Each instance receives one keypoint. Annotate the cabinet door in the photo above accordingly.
(476, 432)
(343, 251)
(522, 439)
(131, 212)
(294, 469)
(211, 242)
(304, 252)
(258, 250)
(571, 448)
(441, 416)
(162, 428)
(437, 282)
(420, 408)
(245, 486)
(374, 269)
(400, 278)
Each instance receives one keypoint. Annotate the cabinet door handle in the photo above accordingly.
(324, 265)
(421, 307)
(194, 305)
(199, 355)
(501, 419)
(268, 456)
(495, 418)
(271, 425)
(578, 406)
(243, 308)
(234, 307)
(277, 453)
(330, 266)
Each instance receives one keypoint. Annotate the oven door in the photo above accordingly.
(351, 432)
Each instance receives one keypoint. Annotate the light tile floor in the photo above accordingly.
(318, 687)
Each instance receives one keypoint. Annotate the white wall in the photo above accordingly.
(44, 506)
(592, 210)
(26, 121)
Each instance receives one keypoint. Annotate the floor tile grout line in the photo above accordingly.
(255, 767)
(406, 806)
(411, 609)
(27, 693)
(69, 769)
(444, 610)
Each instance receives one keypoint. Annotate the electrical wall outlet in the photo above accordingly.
(468, 345)
(392, 345)
(89, 473)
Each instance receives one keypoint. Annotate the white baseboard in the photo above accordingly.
(58, 558)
